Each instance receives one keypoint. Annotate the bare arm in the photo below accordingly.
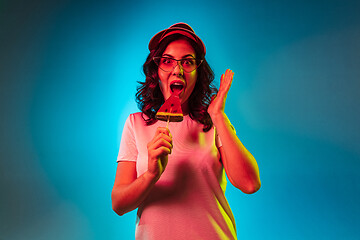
(130, 191)
(240, 165)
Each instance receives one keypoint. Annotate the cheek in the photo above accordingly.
(192, 79)
(163, 83)
(193, 74)
(162, 79)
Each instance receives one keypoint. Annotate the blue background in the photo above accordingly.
(68, 72)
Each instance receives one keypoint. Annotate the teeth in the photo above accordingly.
(176, 87)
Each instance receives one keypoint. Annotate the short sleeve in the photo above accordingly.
(128, 150)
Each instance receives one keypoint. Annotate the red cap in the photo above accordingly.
(178, 28)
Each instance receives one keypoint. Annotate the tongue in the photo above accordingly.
(176, 89)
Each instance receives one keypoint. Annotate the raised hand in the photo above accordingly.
(217, 104)
(158, 150)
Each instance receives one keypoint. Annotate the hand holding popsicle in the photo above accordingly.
(158, 150)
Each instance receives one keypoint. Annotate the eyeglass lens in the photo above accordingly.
(168, 64)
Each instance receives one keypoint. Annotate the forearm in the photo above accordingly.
(126, 198)
(240, 165)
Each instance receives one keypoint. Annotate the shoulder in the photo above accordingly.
(134, 117)
(137, 120)
(137, 117)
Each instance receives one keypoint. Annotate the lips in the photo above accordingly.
(177, 87)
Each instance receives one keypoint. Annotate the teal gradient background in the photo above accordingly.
(68, 73)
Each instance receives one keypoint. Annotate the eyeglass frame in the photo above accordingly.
(177, 63)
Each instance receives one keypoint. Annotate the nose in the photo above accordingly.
(178, 70)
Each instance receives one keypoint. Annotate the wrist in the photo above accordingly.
(218, 117)
(151, 177)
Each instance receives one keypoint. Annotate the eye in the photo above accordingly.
(188, 62)
(166, 60)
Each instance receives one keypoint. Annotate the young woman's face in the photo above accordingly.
(171, 82)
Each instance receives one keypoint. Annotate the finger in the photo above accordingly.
(163, 130)
(229, 74)
(213, 97)
(222, 79)
(162, 151)
(159, 153)
(161, 142)
(226, 76)
(161, 133)
(227, 80)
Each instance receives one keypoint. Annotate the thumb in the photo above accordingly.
(213, 97)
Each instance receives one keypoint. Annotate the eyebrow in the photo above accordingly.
(185, 56)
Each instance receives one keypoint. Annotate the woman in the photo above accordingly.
(175, 175)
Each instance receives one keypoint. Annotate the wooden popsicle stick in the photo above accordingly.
(167, 122)
(168, 119)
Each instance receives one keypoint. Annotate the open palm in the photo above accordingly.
(217, 104)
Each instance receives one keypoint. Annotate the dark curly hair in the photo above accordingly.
(149, 97)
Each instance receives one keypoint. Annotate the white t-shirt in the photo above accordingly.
(188, 201)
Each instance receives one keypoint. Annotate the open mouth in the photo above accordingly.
(176, 87)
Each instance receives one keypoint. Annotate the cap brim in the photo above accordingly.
(160, 36)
